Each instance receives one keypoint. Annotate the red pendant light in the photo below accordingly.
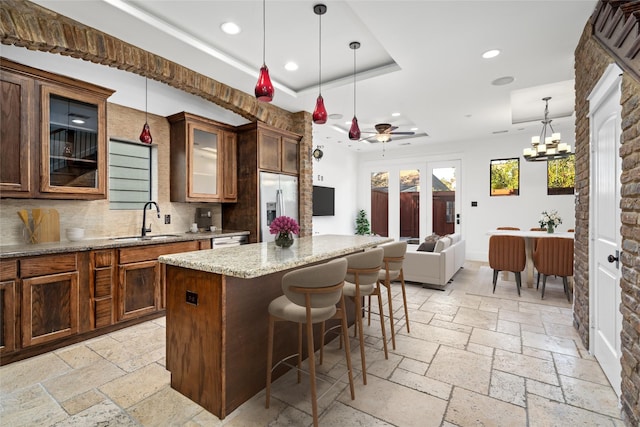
(264, 89)
(320, 112)
(354, 131)
(145, 135)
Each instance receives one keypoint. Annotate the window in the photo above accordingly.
(505, 177)
(561, 175)
(129, 174)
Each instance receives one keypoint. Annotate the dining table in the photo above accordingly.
(530, 237)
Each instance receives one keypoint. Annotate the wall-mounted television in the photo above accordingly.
(323, 201)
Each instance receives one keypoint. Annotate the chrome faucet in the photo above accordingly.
(146, 230)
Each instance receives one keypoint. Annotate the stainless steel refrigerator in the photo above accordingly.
(278, 197)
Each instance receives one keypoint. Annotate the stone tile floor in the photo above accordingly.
(472, 358)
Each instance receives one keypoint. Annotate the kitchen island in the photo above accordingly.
(217, 314)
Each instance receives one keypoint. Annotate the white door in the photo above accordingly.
(604, 283)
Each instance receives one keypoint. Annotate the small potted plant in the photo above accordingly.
(362, 224)
(284, 228)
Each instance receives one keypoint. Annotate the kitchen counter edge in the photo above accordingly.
(20, 250)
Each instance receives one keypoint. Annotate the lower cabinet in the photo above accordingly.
(139, 291)
(49, 302)
(141, 279)
(8, 308)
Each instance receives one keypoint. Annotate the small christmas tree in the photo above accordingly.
(362, 223)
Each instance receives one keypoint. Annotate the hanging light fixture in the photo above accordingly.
(545, 147)
(354, 131)
(320, 112)
(264, 89)
(145, 136)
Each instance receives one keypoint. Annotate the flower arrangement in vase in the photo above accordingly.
(284, 227)
(550, 220)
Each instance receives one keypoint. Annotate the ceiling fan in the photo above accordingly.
(383, 133)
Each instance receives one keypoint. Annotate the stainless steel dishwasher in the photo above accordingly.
(228, 241)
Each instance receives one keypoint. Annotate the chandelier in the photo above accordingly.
(545, 147)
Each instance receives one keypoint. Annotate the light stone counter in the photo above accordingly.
(259, 259)
(26, 249)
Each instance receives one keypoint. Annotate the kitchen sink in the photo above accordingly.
(140, 238)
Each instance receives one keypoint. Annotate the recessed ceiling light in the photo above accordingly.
(468, 116)
(290, 66)
(491, 54)
(414, 129)
(501, 81)
(336, 116)
(495, 132)
(78, 121)
(230, 28)
(395, 114)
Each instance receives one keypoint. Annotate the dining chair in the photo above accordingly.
(571, 230)
(311, 295)
(362, 280)
(507, 253)
(535, 244)
(507, 228)
(554, 257)
(392, 271)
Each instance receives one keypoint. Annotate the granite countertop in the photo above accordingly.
(259, 259)
(26, 249)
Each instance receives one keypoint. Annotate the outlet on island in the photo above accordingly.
(167, 219)
(192, 297)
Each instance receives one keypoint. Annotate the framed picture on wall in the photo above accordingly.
(561, 175)
(505, 177)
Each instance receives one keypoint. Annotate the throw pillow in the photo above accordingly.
(426, 247)
(433, 238)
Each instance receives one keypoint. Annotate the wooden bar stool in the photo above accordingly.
(310, 296)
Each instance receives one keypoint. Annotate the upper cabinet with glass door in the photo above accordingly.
(56, 144)
(203, 160)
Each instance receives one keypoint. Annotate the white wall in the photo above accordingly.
(473, 185)
(337, 169)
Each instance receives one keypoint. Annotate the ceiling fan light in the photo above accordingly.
(320, 112)
(354, 131)
(264, 88)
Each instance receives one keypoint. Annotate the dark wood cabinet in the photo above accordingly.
(141, 284)
(8, 310)
(203, 159)
(103, 277)
(15, 133)
(48, 301)
(139, 291)
(260, 148)
(49, 309)
(53, 137)
(277, 150)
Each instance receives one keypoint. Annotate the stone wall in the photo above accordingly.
(591, 60)
(28, 25)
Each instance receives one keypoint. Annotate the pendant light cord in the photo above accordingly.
(264, 32)
(354, 82)
(146, 99)
(320, 55)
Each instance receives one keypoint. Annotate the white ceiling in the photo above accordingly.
(421, 59)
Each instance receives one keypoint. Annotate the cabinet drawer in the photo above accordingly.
(103, 258)
(48, 264)
(8, 269)
(103, 282)
(150, 253)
